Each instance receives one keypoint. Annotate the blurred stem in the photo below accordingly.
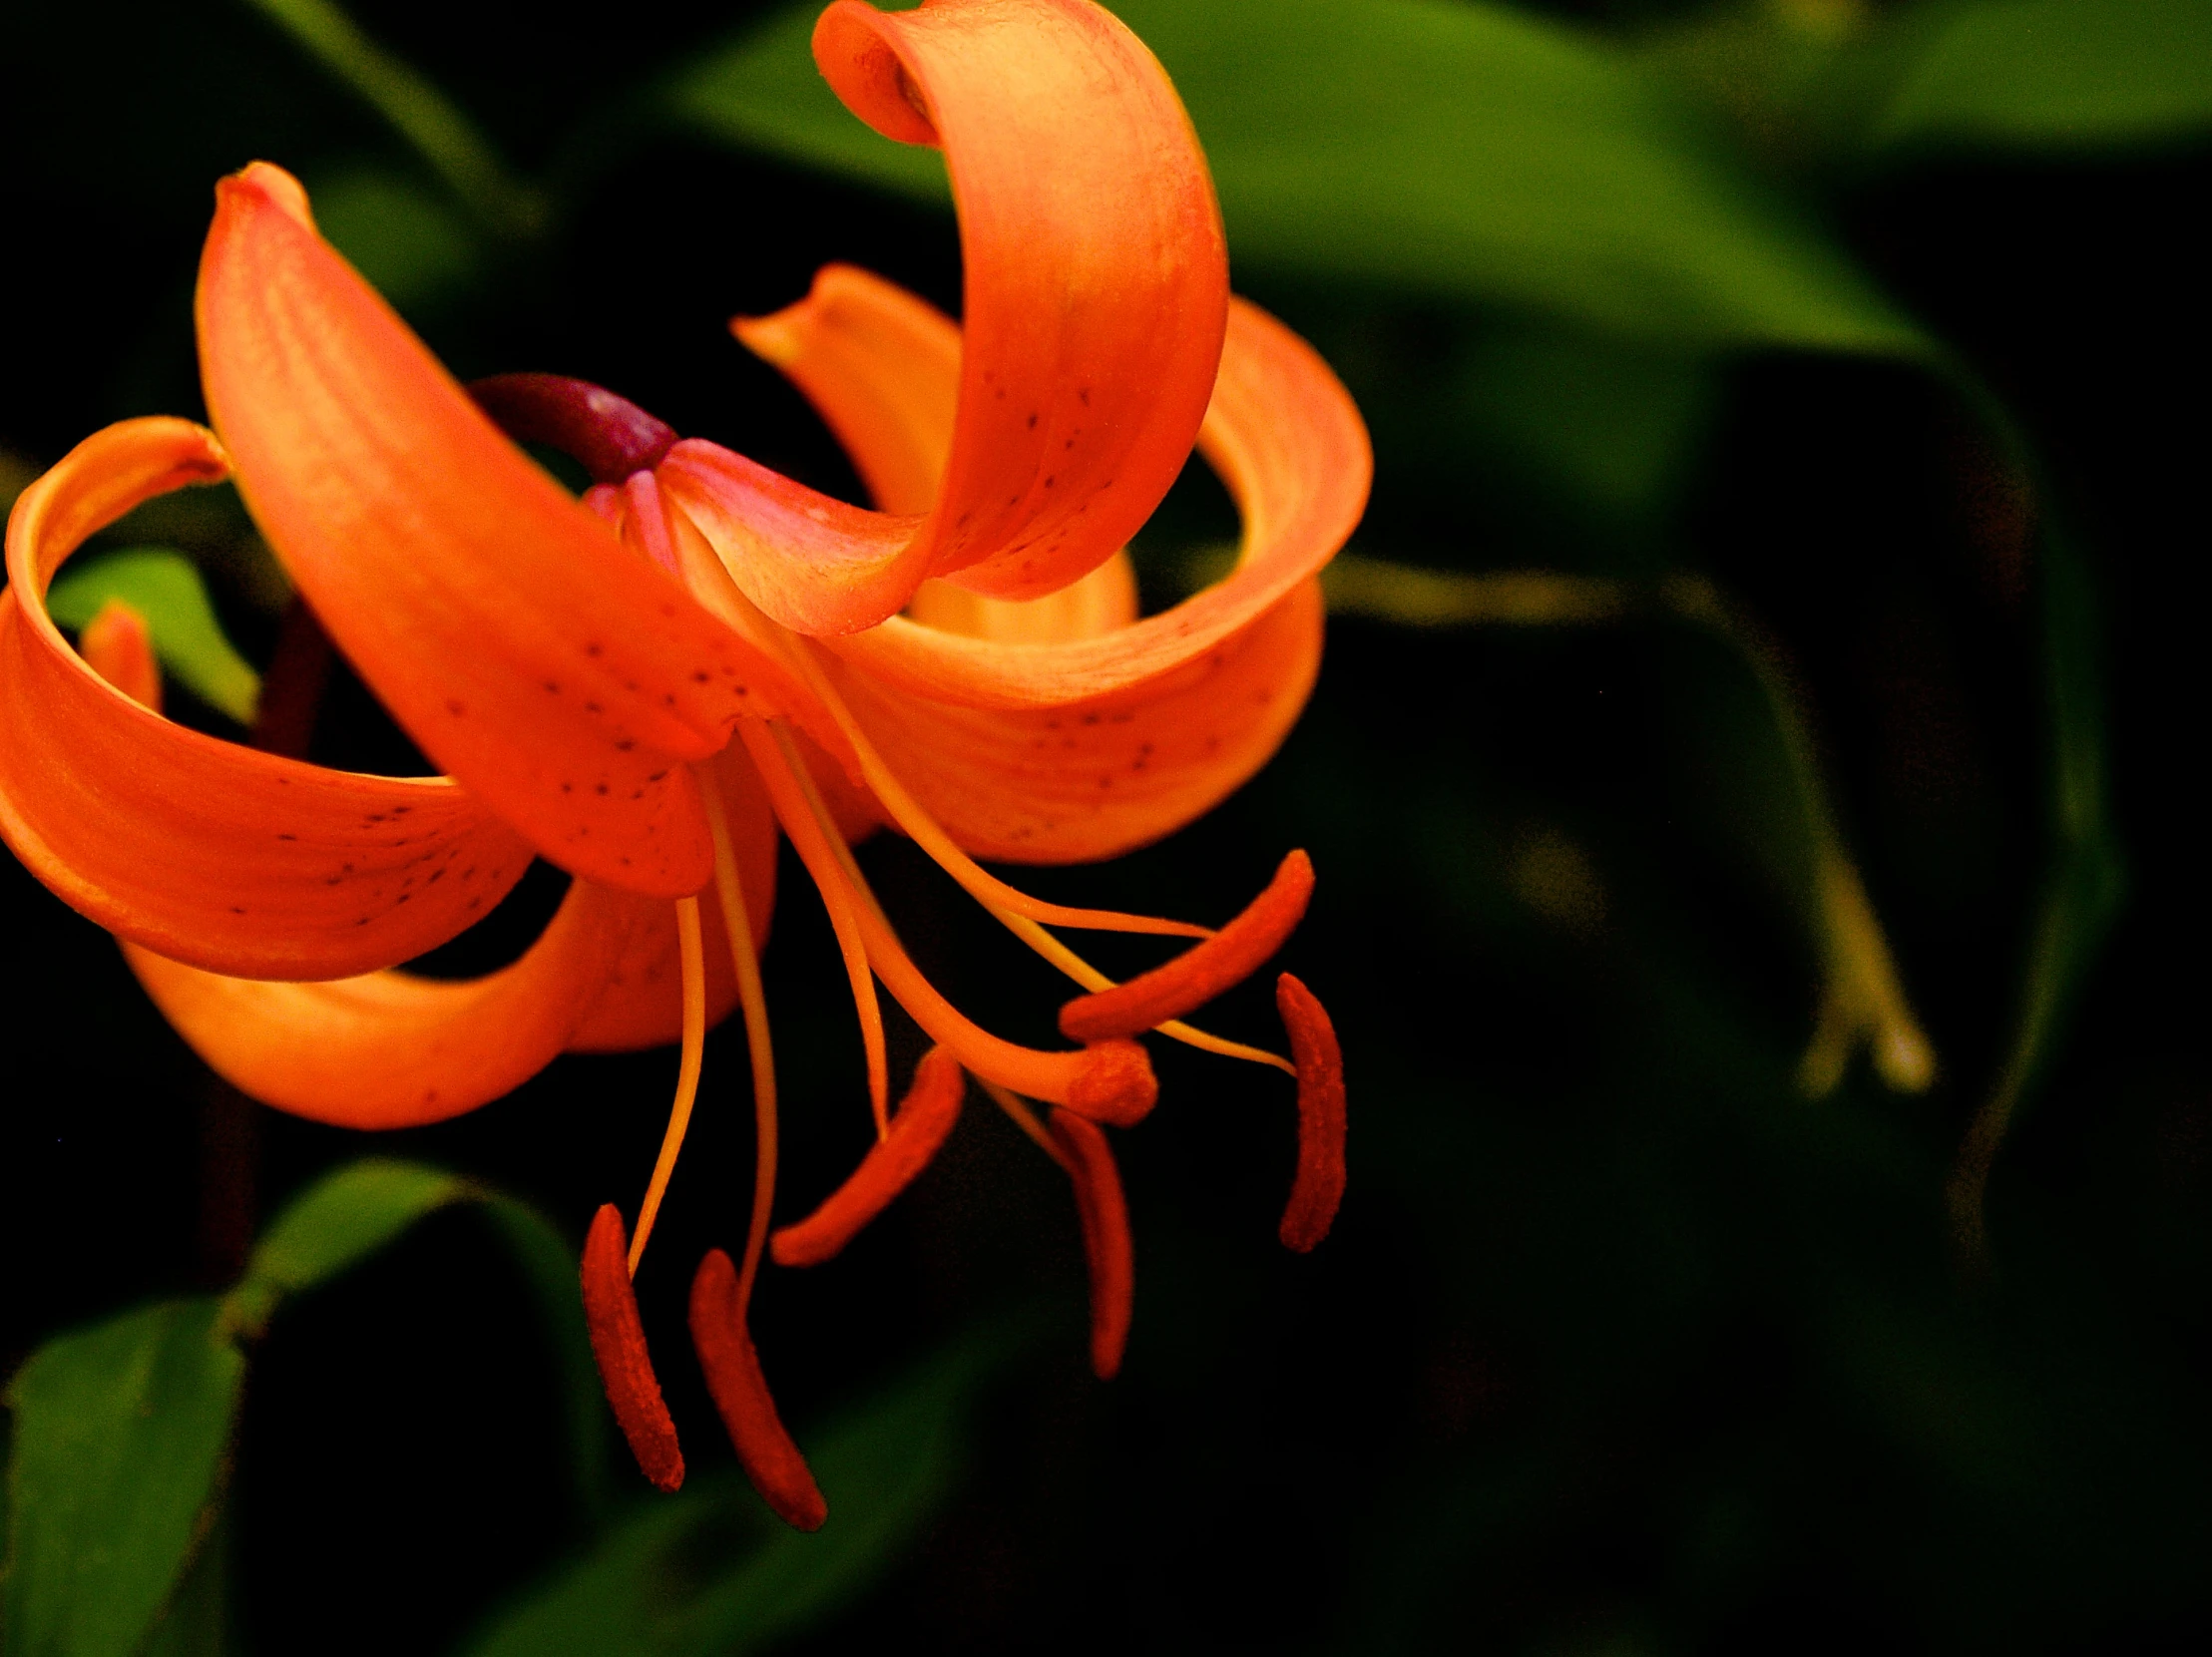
(1861, 999)
(2084, 877)
(2081, 891)
(430, 121)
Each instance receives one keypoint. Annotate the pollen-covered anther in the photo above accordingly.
(619, 1344)
(1115, 1083)
(1319, 1184)
(1107, 1248)
(1203, 972)
(733, 1369)
(925, 1117)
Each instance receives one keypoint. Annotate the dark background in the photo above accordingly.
(1621, 1344)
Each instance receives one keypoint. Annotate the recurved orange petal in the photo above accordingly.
(390, 1049)
(1095, 282)
(531, 657)
(229, 859)
(1094, 778)
(1287, 441)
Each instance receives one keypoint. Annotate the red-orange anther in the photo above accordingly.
(1105, 1237)
(618, 1343)
(765, 1451)
(1319, 1187)
(1203, 972)
(926, 1115)
(1115, 1084)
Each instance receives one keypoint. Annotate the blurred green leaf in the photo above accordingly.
(550, 1266)
(1459, 150)
(2083, 882)
(335, 1223)
(120, 1434)
(165, 588)
(1610, 426)
(197, 1622)
(409, 244)
(2042, 75)
(679, 1578)
(440, 131)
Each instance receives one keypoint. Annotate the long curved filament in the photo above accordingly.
(693, 953)
(1019, 913)
(751, 996)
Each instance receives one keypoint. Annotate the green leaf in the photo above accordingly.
(338, 1222)
(165, 588)
(436, 127)
(1612, 427)
(120, 1439)
(2043, 75)
(409, 244)
(549, 1265)
(1462, 150)
(692, 1576)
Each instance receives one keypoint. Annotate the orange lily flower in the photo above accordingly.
(963, 663)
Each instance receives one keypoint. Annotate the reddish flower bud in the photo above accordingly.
(609, 436)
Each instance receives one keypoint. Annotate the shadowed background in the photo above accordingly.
(1622, 1343)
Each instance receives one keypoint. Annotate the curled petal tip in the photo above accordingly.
(925, 1117)
(733, 1369)
(1115, 1083)
(1203, 972)
(266, 182)
(619, 1344)
(1319, 1185)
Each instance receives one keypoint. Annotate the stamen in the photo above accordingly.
(1107, 1249)
(732, 1367)
(844, 920)
(1110, 1080)
(753, 999)
(625, 1366)
(1023, 1117)
(1319, 1185)
(926, 1115)
(1016, 910)
(922, 829)
(1203, 971)
(693, 954)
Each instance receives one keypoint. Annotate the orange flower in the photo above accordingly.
(965, 663)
